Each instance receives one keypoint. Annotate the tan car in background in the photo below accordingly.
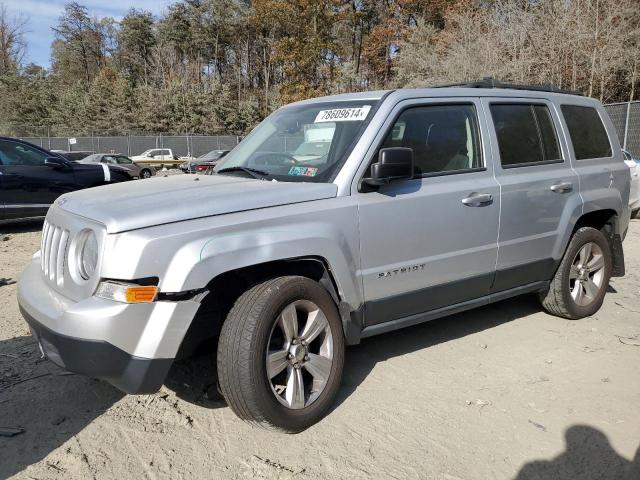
(123, 162)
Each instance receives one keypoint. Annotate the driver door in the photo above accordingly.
(424, 244)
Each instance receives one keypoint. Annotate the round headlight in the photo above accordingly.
(87, 254)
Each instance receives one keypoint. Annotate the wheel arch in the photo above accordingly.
(226, 287)
(607, 220)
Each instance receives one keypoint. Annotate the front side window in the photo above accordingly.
(124, 160)
(13, 153)
(443, 138)
(525, 134)
(588, 135)
(307, 142)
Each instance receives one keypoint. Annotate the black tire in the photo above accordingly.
(242, 351)
(145, 173)
(558, 300)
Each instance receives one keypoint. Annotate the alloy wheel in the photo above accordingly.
(299, 356)
(586, 276)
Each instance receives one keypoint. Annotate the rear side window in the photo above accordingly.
(525, 134)
(588, 135)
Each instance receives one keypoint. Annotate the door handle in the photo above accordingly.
(478, 199)
(562, 187)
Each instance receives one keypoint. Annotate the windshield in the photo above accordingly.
(305, 142)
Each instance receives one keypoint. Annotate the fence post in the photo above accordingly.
(626, 127)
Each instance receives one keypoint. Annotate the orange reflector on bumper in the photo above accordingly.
(141, 294)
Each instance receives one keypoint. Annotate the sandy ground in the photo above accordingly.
(502, 392)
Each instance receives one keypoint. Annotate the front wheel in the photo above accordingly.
(580, 283)
(281, 354)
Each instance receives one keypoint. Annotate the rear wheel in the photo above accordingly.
(281, 354)
(146, 173)
(580, 283)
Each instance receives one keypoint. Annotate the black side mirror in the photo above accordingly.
(393, 164)
(55, 162)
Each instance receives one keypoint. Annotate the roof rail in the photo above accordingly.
(489, 82)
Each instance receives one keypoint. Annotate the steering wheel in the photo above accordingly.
(283, 159)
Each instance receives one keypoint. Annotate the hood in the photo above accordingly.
(121, 207)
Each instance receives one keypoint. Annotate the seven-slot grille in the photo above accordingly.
(53, 252)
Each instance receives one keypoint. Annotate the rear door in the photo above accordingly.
(597, 154)
(27, 186)
(539, 189)
(430, 242)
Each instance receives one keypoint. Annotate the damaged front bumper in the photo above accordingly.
(132, 346)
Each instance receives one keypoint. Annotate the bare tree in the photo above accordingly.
(13, 46)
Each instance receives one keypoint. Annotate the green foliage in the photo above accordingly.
(211, 66)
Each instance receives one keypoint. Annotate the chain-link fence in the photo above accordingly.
(626, 118)
(181, 145)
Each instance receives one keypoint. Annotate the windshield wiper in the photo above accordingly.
(255, 173)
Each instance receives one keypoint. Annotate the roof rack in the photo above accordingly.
(489, 82)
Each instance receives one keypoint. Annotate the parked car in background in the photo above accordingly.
(429, 202)
(157, 157)
(203, 162)
(73, 156)
(31, 178)
(634, 195)
(122, 162)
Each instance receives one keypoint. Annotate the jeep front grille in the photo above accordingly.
(53, 252)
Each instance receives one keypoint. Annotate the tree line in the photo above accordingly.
(208, 66)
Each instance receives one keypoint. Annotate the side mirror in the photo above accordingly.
(55, 162)
(393, 164)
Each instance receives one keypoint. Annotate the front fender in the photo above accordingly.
(196, 264)
(188, 255)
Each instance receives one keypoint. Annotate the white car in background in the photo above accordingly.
(159, 157)
(634, 193)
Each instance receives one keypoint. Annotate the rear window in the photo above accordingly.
(588, 135)
(525, 134)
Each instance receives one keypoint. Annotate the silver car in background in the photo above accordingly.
(634, 194)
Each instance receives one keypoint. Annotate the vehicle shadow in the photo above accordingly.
(361, 359)
(588, 455)
(194, 379)
(50, 405)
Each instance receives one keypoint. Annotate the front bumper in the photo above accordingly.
(132, 346)
(99, 359)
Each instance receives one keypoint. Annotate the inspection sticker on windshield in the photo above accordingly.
(303, 171)
(356, 114)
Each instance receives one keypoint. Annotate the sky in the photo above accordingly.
(41, 15)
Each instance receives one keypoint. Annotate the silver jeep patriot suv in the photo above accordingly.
(336, 219)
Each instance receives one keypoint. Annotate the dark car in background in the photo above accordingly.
(74, 156)
(31, 178)
(121, 162)
(203, 162)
